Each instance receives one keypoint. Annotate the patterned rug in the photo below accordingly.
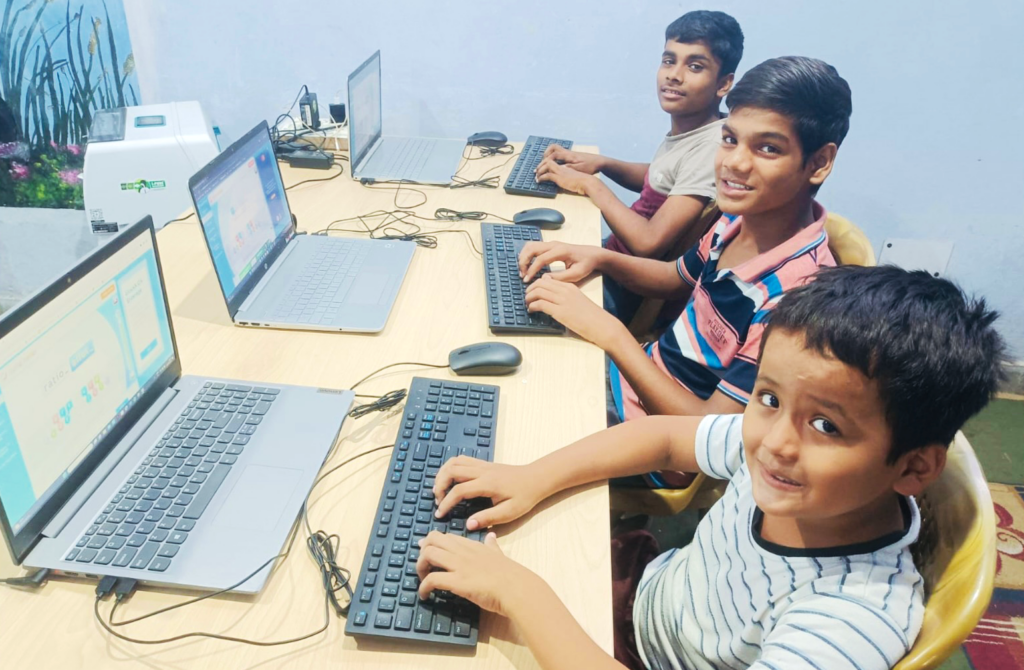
(997, 642)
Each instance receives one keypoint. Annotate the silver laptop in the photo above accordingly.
(417, 159)
(272, 277)
(112, 463)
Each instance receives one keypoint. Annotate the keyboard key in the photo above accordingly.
(125, 557)
(105, 557)
(383, 621)
(159, 564)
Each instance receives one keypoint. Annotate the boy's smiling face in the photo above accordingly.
(688, 81)
(816, 441)
(760, 165)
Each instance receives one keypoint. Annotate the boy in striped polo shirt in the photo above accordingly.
(805, 563)
(787, 118)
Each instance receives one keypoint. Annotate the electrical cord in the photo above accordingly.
(485, 180)
(32, 581)
(341, 171)
(398, 224)
(445, 214)
(182, 218)
(335, 578)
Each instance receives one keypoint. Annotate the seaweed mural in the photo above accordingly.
(59, 64)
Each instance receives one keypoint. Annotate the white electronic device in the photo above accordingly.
(138, 162)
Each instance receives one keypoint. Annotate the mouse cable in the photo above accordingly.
(398, 224)
(392, 365)
(445, 214)
(334, 578)
(485, 180)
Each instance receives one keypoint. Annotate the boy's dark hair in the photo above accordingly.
(932, 351)
(719, 31)
(808, 91)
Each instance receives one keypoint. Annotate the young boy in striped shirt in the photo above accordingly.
(805, 563)
(787, 118)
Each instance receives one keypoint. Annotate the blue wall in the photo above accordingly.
(937, 138)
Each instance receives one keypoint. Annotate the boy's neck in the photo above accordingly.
(871, 522)
(686, 123)
(767, 230)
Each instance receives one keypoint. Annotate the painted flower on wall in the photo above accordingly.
(19, 171)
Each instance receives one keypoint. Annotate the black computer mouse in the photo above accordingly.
(490, 139)
(542, 217)
(485, 358)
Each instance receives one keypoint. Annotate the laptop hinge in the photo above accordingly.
(369, 154)
(248, 303)
(89, 486)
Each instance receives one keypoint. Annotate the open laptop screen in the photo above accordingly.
(241, 204)
(364, 108)
(73, 368)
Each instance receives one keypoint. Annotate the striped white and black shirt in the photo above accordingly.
(732, 600)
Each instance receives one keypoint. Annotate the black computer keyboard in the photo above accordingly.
(506, 292)
(522, 180)
(150, 517)
(442, 420)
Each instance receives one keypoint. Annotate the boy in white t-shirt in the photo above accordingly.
(865, 377)
(698, 64)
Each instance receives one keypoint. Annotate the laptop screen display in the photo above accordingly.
(71, 370)
(364, 108)
(241, 203)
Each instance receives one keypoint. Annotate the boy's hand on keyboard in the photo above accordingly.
(478, 572)
(566, 304)
(564, 176)
(580, 260)
(577, 160)
(512, 490)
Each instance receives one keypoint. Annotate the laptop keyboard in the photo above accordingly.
(150, 517)
(443, 419)
(410, 159)
(318, 292)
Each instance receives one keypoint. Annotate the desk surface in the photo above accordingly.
(556, 397)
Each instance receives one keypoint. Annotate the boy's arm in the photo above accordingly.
(625, 174)
(660, 393)
(643, 276)
(635, 447)
(649, 238)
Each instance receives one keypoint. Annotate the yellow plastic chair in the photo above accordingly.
(850, 246)
(956, 554)
(642, 324)
(848, 243)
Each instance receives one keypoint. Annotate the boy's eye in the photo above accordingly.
(769, 149)
(728, 139)
(825, 426)
(696, 67)
(667, 61)
(768, 399)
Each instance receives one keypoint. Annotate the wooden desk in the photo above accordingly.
(556, 397)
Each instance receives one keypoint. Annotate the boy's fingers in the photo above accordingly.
(458, 493)
(492, 516)
(459, 469)
(541, 305)
(432, 556)
(492, 541)
(570, 274)
(438, 581)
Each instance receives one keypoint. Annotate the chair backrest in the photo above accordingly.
(956, 555)
(847, 242)
(642, 324)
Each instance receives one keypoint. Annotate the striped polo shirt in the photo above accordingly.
(714, 343)
(732, 600)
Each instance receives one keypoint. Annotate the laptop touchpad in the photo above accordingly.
(259, 497)
(367, 288)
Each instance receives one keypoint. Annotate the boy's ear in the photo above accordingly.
(919, 468)
(725, 85)
(820, 164)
